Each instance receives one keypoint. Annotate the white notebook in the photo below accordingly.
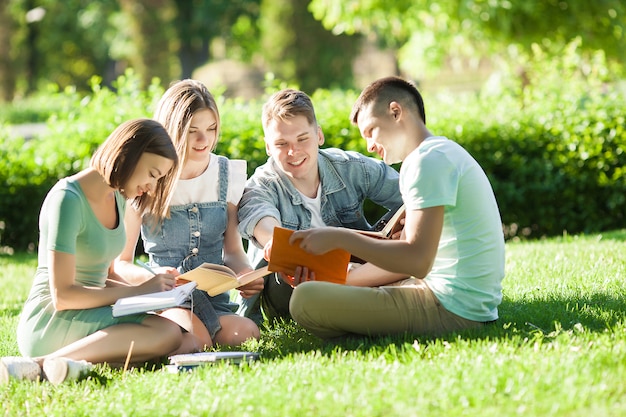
(154, 301)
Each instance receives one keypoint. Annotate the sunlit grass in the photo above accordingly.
(559, 349)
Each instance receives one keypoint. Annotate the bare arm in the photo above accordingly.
(411, 255)
(69, 295)
(233, 249)
(370, 275)
(264, 229)
(123, 265)
(234, 255)
(123, 269)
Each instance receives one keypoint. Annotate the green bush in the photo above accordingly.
(556, 160)
(556, 166)
(29, 168)
(35, 109)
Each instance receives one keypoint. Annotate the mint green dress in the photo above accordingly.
(68, 224)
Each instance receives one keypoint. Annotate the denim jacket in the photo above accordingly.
(347, 180)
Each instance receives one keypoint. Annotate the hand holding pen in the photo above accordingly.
(145, 266)
(165, 280)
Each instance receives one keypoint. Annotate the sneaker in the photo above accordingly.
(59, 370)
(19, 368)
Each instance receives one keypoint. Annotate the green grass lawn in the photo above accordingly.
(559, 349)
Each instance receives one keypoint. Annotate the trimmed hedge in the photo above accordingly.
(556, 166)
(557, 171)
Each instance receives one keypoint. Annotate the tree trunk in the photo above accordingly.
(151, 37)
(7, 67)
(194, 44)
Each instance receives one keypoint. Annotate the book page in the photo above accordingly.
(392, 226)
(220, 268)
(153, 301)
(210, 280)
(331, 266)
(238, 282)
(253, 275)
(217, 279)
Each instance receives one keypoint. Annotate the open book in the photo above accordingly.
(216, 279)
(331, 266)
(387, 226)
(154, 301)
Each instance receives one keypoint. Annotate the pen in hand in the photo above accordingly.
(145, 266)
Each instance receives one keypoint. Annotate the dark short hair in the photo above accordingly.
(117, 158)
(385, 90)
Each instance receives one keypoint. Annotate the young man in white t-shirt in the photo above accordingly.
(444, 274)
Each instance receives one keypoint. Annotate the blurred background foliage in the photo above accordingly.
(534, 90)
(556, 162)
(311, 43)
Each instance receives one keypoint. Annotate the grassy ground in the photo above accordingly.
(559, 349)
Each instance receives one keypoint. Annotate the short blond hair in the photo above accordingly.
(287, 104)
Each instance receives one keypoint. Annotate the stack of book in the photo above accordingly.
(190, 361)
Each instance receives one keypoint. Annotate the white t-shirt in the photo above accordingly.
(469, 266)
(205, 187)
(315, 207)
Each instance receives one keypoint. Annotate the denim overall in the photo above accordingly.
(194, 234)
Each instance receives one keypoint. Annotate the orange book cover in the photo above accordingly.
(331, 266)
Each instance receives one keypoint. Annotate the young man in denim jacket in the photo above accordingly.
(301, 187)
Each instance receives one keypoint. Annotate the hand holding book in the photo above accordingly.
(216, 279)
(287, 256)
(389, 226)
(212, 278)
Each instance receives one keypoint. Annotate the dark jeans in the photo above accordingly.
(275, 298)
(272, 302)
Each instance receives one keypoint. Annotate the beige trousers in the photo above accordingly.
(332, 310)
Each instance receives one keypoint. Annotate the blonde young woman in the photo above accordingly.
(202, 226)
(66, 323)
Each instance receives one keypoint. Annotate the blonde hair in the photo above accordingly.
(176, 108)
(287, 104)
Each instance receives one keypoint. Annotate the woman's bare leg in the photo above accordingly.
(197, 337)
(151, 339)
(236, 330)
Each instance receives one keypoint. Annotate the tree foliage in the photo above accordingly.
(298, 49)
(67, 42)
(60, 42)
(150, 29)
(432, 30)
(198, 22)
